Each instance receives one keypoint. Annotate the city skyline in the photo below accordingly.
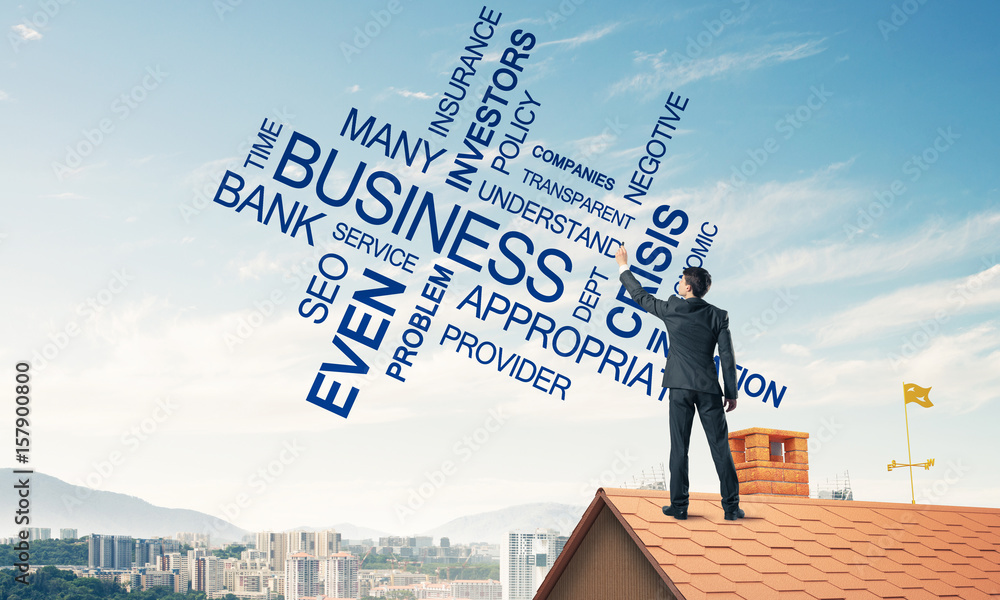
(831, 165)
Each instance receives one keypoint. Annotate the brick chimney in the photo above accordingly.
(771, 461)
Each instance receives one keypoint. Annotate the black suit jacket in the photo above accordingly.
(694, 328)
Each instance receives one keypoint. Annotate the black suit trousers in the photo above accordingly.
(713, 420)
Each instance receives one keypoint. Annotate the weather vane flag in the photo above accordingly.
(921, 396)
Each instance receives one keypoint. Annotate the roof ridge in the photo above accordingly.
(777, 499)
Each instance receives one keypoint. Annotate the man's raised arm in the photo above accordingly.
(647, 301)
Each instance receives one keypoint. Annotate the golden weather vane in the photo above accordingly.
(921, 396)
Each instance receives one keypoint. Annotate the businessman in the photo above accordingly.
(694, 328)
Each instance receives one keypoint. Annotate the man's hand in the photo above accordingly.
(622, 255)
(730, 404)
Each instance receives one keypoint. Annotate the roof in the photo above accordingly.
(806, 548)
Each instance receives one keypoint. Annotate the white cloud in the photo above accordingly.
(669, 71)
(796, 350)
(65, 196)
(827, 262)
(26, 33)
(749, 212)
(209, 174)
(262, 264)
(588, 36)
(354, 89)
(4, 96)
(595, 144)
(937, 301)
(969, 361)
(409, 94)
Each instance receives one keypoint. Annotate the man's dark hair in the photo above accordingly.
(698, 279)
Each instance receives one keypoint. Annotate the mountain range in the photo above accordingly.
(57, 504)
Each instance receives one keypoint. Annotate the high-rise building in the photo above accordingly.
(275, 545)
(192, 561)
(477, 589)
(253, 556)
(327, 543)
(340, 575)
(110, 551)
(527, 559)
(301, 541)
(39, 533)
(195, 540)
(208, 575)
(147, 551)
(67, 534)
(301, 576)
(177, 563)
(150, 579)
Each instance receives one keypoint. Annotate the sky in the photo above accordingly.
(843, 154)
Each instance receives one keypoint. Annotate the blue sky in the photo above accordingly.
(837, 286)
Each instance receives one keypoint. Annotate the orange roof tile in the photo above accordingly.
(793, 547)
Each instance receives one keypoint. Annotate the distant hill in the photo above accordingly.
(492, 527)
(56, 504)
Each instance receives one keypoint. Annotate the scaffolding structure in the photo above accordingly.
(655, 479)
(840, 489)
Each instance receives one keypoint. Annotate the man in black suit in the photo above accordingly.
(694, 328)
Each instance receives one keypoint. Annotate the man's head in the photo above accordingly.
(697, 280)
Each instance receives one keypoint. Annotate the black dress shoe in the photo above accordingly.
(732, 515)
(678, 513)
